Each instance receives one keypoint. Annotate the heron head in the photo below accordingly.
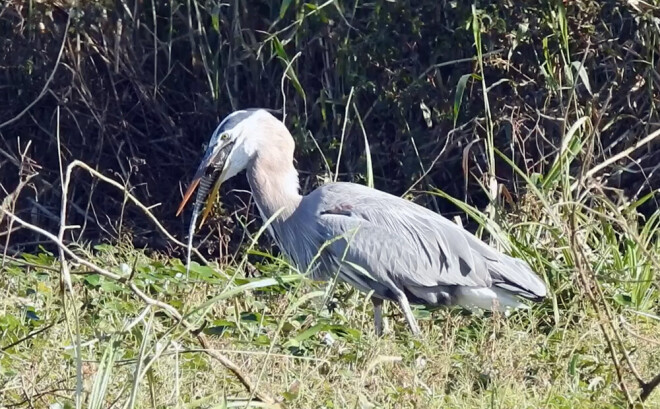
(232, 146)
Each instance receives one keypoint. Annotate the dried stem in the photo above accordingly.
(44, 90)
(133, 199)
(170, 310)
(173, 312)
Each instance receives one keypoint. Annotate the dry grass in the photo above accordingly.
(460, 361)
(548, 125)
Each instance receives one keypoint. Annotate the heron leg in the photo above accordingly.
(407, 312)
(378, 315)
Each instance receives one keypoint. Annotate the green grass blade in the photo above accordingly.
(97, 396)
(458, 97)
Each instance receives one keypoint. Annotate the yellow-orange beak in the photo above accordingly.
(188, 194)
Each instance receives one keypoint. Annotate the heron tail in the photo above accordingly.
(517, 278)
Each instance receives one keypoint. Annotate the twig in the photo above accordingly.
(343, 132)
(619, 156)
(31, 334)
(44, 90)
(597, 297)
(67, 251)
(629, 330)
(435, 160)
(584, 274)
(39, 395)
(65, 275)
(459, 61)
(26, 172)
(133, 199)
(150, 301)
(588, 280)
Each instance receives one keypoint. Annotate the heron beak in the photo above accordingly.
(189, 192)
(212, 169)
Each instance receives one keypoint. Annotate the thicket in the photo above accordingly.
(541, 114)
(134, 89)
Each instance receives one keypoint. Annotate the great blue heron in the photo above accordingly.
(373, 240)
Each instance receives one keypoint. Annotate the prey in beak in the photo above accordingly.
(212, 171)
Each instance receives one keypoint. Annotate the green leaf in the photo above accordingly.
(573, 364)
(290, 73)
(283, 7)
(202, 272)
(582, 73)
(252, 285)
(40, 259)
(111, 286)
(458, 98)
(345, 332)
(8, 321)
(482, 219)
(309, 332)
(219, 327)
(623, 299)
(250, 316)
(360, 270)
(215, 18)
(643, 199)
(93, 280)
(106, 248)
(262, 340)
(279, 49)
(571, 145)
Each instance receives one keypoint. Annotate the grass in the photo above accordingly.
(539, 115)
(279, 334)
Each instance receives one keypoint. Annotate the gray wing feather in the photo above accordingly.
(406, 245)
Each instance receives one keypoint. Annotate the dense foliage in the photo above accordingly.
(535, 119)
(141, 85)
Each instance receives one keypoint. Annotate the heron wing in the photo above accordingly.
(404, 244)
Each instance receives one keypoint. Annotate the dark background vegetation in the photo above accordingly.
(140, 86)
(566, 90)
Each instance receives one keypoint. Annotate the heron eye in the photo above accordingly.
(224, 136)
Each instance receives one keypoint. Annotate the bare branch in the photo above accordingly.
(618, 156)
(44, 90)
(133, 199)
(226, 362)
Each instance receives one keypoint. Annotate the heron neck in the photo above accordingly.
(274, 183)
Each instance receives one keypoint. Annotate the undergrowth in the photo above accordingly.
(534, 125)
